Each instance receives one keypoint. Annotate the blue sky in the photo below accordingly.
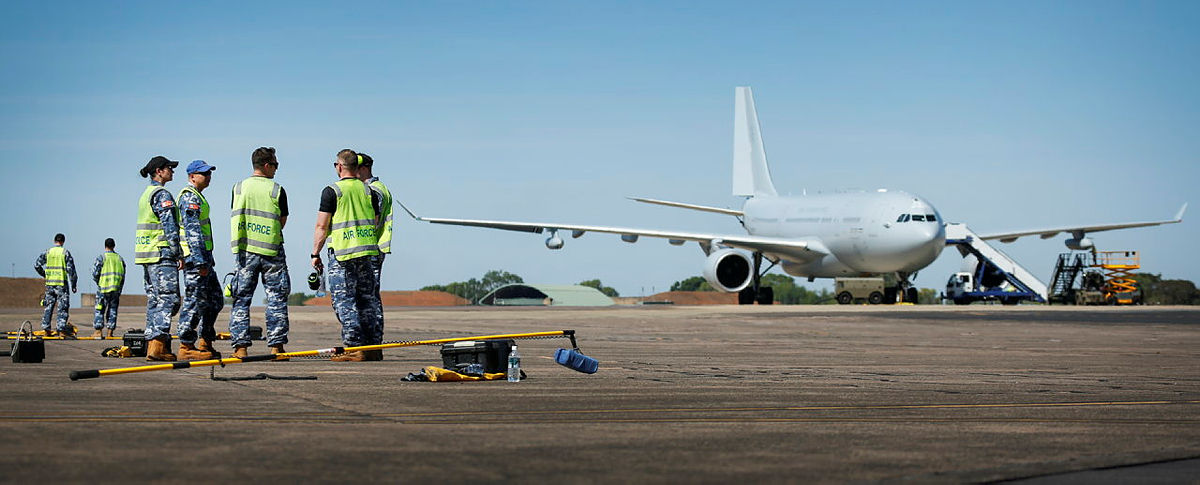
(1004, 115)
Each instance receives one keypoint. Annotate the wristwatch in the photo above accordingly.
(316, 256)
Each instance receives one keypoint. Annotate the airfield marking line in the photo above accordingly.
(816, 408)
(378, 419)
(339, 417)
(715, 409)
(812, 420)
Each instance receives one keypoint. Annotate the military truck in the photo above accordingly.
(849, 290)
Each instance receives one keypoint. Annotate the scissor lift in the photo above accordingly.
(1119, 286)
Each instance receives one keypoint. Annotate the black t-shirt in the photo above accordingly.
(329, 199)
(283, 208)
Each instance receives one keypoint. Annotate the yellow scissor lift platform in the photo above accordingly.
(1119, 286)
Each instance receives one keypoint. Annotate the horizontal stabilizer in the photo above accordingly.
(704, 208)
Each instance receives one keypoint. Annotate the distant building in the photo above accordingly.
(521, 294)
(404, 298)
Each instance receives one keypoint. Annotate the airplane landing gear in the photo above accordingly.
(905, 290)
(756, 293)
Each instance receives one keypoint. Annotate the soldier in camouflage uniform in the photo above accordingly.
(203, 299)
(383, 231)
(348, 218)
(157, 250)
(260, 212)
(58, 268)
(109, 274)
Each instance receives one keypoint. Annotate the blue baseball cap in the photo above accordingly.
(199, 166)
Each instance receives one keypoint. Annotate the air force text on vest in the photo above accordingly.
(263, 229)
(360, 231)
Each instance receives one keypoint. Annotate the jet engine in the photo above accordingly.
(554, 242)
(1079, 243)
(728, 270)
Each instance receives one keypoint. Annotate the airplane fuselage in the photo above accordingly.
(852, 233)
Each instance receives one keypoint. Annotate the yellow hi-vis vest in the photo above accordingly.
(256, 225)
(352, 234)
(385, 213)
(150, 234)
(205, 224)
(56, 266)
(112, 273)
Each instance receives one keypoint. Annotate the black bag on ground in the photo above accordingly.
(28, 348)
(491, 354)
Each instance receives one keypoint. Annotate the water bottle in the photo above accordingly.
(514, 365)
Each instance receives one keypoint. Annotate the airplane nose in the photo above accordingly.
(925, 243)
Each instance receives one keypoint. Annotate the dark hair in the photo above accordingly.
(109, 243)
(262, 156)
(367, 161)
(348, 158)
(60, 238)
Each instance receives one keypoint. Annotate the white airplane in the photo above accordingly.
(810, 236)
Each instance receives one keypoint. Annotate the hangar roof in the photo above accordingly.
(522, 294)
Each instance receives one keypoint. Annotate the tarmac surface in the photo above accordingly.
(684, 394)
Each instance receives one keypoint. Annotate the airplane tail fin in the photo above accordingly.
(751, 175)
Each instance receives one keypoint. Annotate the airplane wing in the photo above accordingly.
(1008, 237)
(794, 249)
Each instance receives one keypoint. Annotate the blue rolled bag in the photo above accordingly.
(574, 359)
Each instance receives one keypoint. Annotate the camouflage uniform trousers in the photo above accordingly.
(107, 313)
(352, 289)
(202, 303)
(274, 274)
(162, 296)
(377, 267)
(57, 296)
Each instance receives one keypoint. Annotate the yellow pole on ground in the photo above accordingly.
(15, 337)
(91, 374)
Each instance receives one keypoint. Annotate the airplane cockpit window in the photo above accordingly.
(930, 218)
(918, 218)
(902, 218)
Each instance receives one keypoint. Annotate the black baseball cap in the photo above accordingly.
(159, 162)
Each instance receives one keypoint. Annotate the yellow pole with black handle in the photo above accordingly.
(91, 374)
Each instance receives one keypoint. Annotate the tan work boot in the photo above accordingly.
(159, 350)
(99, 333)
(190, 352)
(111, 331)
(356, 356)
(205, 345)
(239, 352)
(278, 349)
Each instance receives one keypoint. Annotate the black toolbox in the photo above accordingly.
(135, 339)
(491, 354)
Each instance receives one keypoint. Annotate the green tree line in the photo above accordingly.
(1158, 291)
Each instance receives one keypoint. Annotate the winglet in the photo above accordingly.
(410, 213)
(1179, 216)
